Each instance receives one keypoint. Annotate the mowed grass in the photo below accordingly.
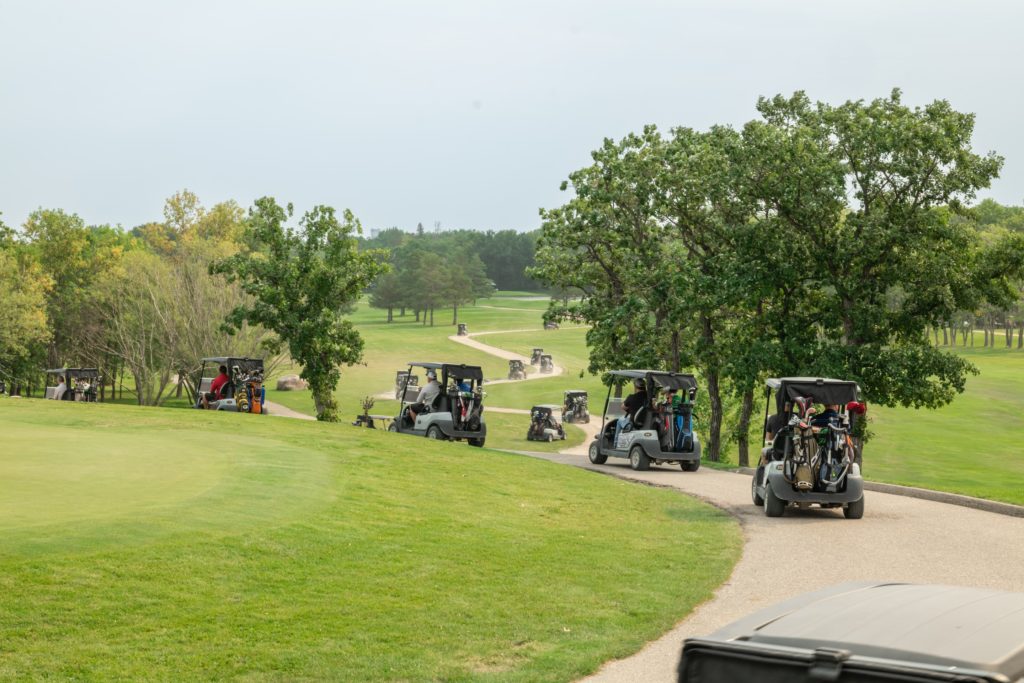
(185, 545)
(974, 446)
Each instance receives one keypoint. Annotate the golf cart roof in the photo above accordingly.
(456, 370)
(547, 406)
(225, 359)
(940, 626)
(820, 389)
(74, 373)
(575, 391)
(668, 380)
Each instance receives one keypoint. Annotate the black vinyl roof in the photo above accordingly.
(819, 389)
(455, 370)
(74, 373)
(225, 359)
(661, 378)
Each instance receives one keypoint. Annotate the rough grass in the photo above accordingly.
(184, 545)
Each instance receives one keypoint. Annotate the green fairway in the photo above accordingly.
(972, 446)
(184, 545)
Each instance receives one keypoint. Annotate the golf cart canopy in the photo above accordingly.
(942, 632)
(546, 406)
(75, 373)
(454, 370)
(660, 378)
(575, 392)
(820, 390)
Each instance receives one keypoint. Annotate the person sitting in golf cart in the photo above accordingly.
(216, 387)
(428, 393)
(633, 403)
(62, 387)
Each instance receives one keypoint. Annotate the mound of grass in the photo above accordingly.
(186, 545)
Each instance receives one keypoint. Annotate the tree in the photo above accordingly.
(387, 293)
(302, 282)
(23, 325)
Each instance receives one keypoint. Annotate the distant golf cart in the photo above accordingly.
(543, 425)
(463, 332)
(80, 382)
(243, 392)
(811, 459)
(659, 438)
(516, 369)
(402, 380)
(550, 326)
(535, 356)
(547, 365)
(574, 407)
(456, 413)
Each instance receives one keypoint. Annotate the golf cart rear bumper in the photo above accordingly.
(457, 434)
(783, 490)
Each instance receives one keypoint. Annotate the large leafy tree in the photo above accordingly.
(302, 282)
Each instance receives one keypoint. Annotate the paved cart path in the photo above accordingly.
(276, 409)
(468, 340)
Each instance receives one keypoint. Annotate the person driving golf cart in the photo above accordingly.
(633, 403)
(543, 425)
(428, 393)
(216, 387)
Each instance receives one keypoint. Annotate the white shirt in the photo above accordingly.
(429, 392)
(58, 393)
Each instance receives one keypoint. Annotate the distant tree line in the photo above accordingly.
(816, 240)
(505, 254)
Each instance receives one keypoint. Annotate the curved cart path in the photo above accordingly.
(468, 340)
(278, 410)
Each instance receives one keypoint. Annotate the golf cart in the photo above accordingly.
(402, 379)
(543, 425)
(535, 356)
(810, 459)
(456, 413)
(546, 364)
(868, 632)
(574, 407)
(83, 387)
(550, 326)
(463, 332)
(659, 435)
(243, 392)
(516, 369)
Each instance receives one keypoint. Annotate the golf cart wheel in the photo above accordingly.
(638, 460)
(855, 510)
(479, 443)
(758, 475)
(689, 465)
(773, 505)
(551, 437)
(595, 454)
(393, 427)
(434, 432)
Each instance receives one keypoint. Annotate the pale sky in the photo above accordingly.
(466, 113)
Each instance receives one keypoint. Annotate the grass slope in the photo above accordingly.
(172, 544)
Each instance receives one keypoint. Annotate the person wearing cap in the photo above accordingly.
(428, 392)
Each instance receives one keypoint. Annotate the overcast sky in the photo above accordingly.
(467, 113)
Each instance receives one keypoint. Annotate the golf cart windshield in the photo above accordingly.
(820, 390)
(471, 372)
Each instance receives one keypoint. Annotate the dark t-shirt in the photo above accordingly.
(634, 402)
(776, 422)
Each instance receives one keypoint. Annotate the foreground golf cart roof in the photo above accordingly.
(661, 378)
(820, 389)
(225, 359)
(869, 631)
(456, 370)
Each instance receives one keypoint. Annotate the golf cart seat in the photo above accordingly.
(69, 395)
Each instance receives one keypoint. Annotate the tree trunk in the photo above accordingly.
(401, 311)
(431, 316)
(181, 381)
(323, 399)
(714, 392)
(945, 336)
(455, 313)
(1020, 335)
(417, 312)
(1008, 332)
(391, 315)
(984, 329)
(936, 330)
(743, 440)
